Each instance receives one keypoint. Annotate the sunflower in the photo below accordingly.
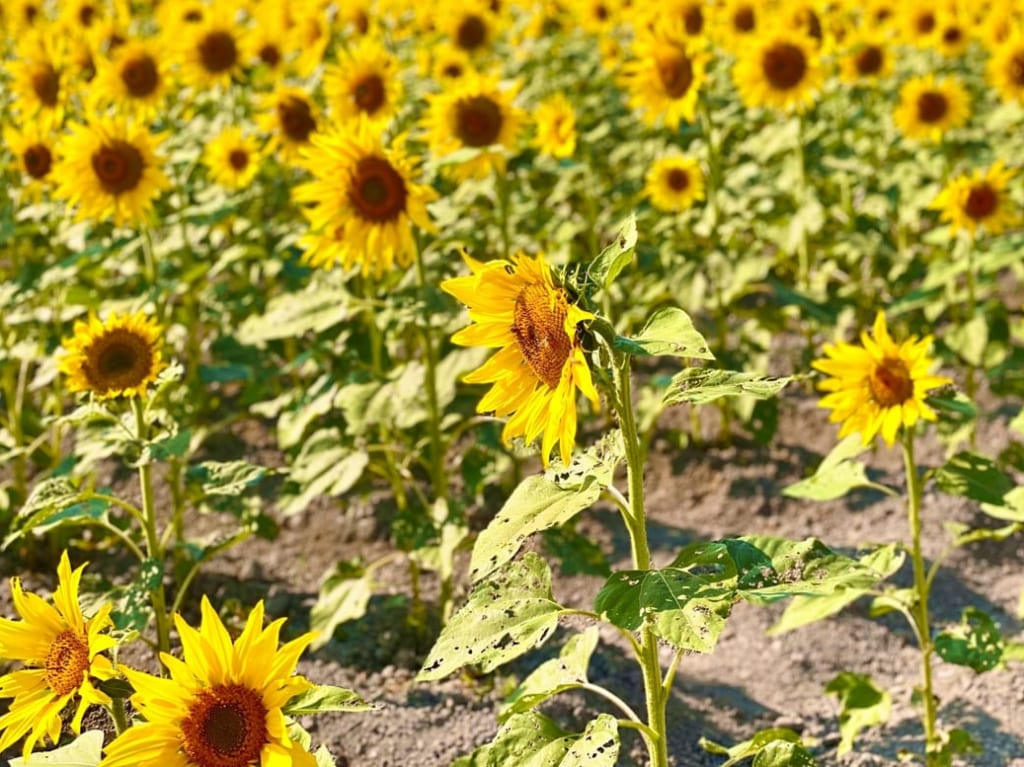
(952, 33)
(556, 126)
(470, 26)
(779, 69)
(367, 191)
(867, 58)
(233, 159)
(665, 75)
(691, 15)
(61, 650)
(1001, 22)
(134, 78)
(210, 51)
(981, 199)
(448, 64)
(735, 23)
(310, 33)
(290, 117)
(39, 81)
(517, 306)
(118, 357)
(22, 15)
(919, 23)
(34, 151)
(597, 17)
(1006, 68)
(474, 114)
(674, 183)
(109, 169)
(364, 83)
(879, 386)
(266, 43)
(80, 15)
(221, 706)
(929, 107)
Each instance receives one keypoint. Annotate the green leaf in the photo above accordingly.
(669, 331)
(326, 697)
(344, 596)
(974, 476)
(617, 256)
(325, 466)
(976, 643)
(291, 315)
(536, 504)
(566, 672)
(969, 340)
(701, 385)
(837, 475)
(781, 753)
(226, 478)
(775, 747)
(1010, 509)
(507, 615)
(862, 705)
(52, 503)
(324, 758)
(134, 609)
(696, 627)
(533, 740)
(84, 751)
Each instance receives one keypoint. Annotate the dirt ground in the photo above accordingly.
(750, 682)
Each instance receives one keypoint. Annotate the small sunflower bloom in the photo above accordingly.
(735, 23)
(364, 84)
(1006, 68)
(779, 69)
(34, 150)
(134, 78)
(879, 386)
(867, 59)
(665, 75)
(290, 117)
(978, 200)
(555, 119)
(929, 107)
(233, 159)
(210, 51)
(673, 184)
(62, 652)
(118, 357)
(517, 307)
(221, 705)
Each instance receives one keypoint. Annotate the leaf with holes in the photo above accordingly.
(507, 615)
(976, 643)
(566, 672)
(701, 385)
(669, 331)
(629, 597)
(326, 697)
(533, 740)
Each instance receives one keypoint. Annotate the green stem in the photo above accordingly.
(714, 168)
(612, 698)
(153, 548)
(437, 451)
(921, 590)
(118, 715)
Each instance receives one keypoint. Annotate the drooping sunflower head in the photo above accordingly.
(665, 75)
(34, 150)
(233, 158)
(364, 84)
(781, 69)
(368, 192)
(978, 200)
(474, 114)
(674, 183)
(880, 386)
(519, 308)
(290, 117)
(555, 119)
(1006, 68)
(221, 706)
(118, 357)
(134, 78)
(62, 652)
(930, 106)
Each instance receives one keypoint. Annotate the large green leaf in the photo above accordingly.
(976, 643)
(53, 503)
(774, 747)
(701, 385)
(507, 615)
(974, 476)
(861, 705)
(325, 466)
(669, 331)
(533, 740)
(837, 475)
(344, 596)
(85, 751)
(566, 672)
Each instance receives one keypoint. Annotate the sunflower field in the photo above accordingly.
(511, 383)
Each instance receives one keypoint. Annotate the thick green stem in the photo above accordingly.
(921, 590)
(154, 550)
(117, 714)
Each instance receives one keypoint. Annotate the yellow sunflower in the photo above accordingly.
(867, 59)
(134, 78)
(1006, 68)
(665, 75)
(448, 64)
(674, 183)
(597, 16)
(735, 23)
(118, 357)
(233, 158)
(555, 119)
(981, 199)
(79, 15)
(879, 386)
(310, 34)
(39, 80)
(474, 114)
(952, 33)
(34, 151)
(930, 106)
(109, 169)
(61, 650)
(1001, 22)
(265, 43)
(210, 51)
(364, 84)
(21, 15)
(367, 192)
(221, 706)
(779, 69)
(469, 26)
(290, 117)
(517, 307)
(919, 23)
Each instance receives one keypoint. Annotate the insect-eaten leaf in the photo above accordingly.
(702, 385)
(566, 672)
(534, 740)
(976, 643)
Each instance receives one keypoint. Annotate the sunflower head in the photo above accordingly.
(33, 149)
(880, 386)
(929, 107)
(118, 357)
(555, 119)
(364, 84)
(780, 69)
(518, 307)
(290, 117)
(233, 158)
(1006, 68)
(867, 59)
(674, 183)
(134, 77)
(210, 50)
(978, 200)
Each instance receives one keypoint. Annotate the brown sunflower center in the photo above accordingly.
(982, 201)
(813, 25)
(217, 51)
(676, 73)
(37, 160)
(538, 324)
(118, 359)
(31, 12)
(86, 14)
(471, 33)
(296, 119)
(452, 70)
(743, 19)
(869, 60)
(925, 22)
(66, 662)
(932, 106)
(369, 94)
(226, 726)
(890, 382)
(270, 55)
(693, 19)
(193, 16)
(362, 22)
(118, 165)
(238, 159)
(1015, 68)
(601, 12)
(784, 65)
(678, 180)
(140, 75)
(46, 84)
(377, 191)
(952, 35)
(477, 121)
